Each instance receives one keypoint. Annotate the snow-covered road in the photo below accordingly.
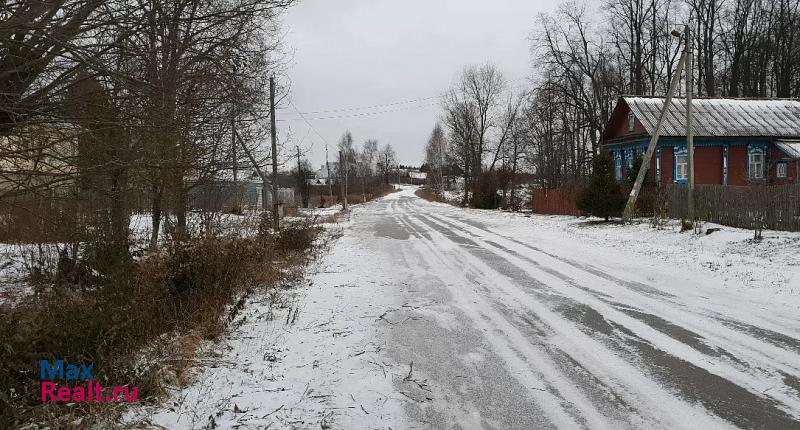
(429, 316)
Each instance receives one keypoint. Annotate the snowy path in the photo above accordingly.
(509, 324)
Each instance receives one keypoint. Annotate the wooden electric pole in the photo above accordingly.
(274, 132)
(343, 168)
(689, 130)
(328, 169)
(301, 178)
(651, 148)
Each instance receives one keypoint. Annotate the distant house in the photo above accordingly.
(222, 191)
(323, 176)
(737, 141)
(41, 159)
(417, 177)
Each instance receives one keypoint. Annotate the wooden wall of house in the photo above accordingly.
(619, 128)
(737, 165)
(708, 165)
(667, 165)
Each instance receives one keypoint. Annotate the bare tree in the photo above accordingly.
(366, 163)
(435, 158)
(132, 95)
(386, 162)
(41, 50)
(473, 115)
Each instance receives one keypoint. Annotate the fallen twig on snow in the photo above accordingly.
(410, 371)
(275, 411)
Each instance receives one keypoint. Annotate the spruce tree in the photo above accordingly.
(603, 197)
(633, 172)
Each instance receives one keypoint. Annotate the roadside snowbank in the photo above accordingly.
(768, 269)
(306, 358)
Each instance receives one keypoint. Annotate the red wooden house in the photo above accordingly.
(737, 141)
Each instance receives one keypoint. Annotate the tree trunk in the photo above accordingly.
(156, 198)
(181, 203)
(120, 219)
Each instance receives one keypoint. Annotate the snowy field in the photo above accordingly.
(425, 315)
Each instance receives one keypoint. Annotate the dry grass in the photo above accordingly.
(429, 195)
(139, 325)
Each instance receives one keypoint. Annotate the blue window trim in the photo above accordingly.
(676, 151)
(725, 165)
(756, 148)
(629, 158)
(785, 165)
(658, 165)
(618, 164)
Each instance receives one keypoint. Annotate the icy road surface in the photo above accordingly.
(425, 315)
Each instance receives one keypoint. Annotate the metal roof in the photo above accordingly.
(720, 117)
(789, 147)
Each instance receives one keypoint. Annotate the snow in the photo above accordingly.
(722, 274)
(759, 269)
(789, 147)
(425, 315)
(721, 117)
(580, 346)
(309, 362)
(15, 258)
(12, 273)
(578, 340)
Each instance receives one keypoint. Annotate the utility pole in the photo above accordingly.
(274, 132)
(345, 184)
(651, 148)
(342, 166)
(689, 53)
(387, 172)
(328, 169)
(441, 168)
(301, 179)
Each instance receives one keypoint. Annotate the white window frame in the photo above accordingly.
(781, 170)
(658, 165)
(752, 163)
(631, 121)
(681, 167)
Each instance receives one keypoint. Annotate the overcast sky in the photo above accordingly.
(351, 54)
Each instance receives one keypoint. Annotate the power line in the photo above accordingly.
(364, 114)
(369, 107)
(384, 105)
(291, 102)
